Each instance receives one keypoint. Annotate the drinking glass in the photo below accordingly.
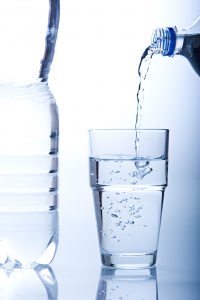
(128, 177)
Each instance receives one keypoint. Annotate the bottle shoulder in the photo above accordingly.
(37, 92)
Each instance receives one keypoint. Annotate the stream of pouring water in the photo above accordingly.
(142, 71)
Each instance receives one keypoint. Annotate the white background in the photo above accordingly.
(94, 79)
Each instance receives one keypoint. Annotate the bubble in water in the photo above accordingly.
(131, 222)
(138, 216)
(123, 226)
(131, 210)
(110, 206)
(113, 236)
(116, 172)
(114, 215)
(146, 172)
(141, 164)
(131, 206)
(118, 223)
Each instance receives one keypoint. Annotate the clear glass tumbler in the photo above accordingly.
(128, 176)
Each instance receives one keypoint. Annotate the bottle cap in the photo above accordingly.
(172, 43)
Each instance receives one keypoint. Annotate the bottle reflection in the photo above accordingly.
(119, 284)
(20, 284)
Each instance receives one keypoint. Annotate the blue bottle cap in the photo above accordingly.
(172, 43)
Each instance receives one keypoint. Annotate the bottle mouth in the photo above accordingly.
(163, 41)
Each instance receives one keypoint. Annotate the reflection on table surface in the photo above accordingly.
(28, 284)
(148, 284)
(80, 283)
(127, 284)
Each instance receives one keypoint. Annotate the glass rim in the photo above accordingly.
(130, 129)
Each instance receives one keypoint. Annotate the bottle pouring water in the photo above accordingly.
(29, 133)
(171, 41)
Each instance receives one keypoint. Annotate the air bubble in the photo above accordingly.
(113, 236)
(118, 223)
(141, 164)
(138, 216)
(131, 206)
(114, 215)
(116, 172)
(123, 227)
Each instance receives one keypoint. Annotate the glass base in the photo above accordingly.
(129, 261)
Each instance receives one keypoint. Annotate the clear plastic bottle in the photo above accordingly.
(29, 133)
(171, 41)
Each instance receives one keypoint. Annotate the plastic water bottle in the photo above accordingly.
(171, 41)
(29, 133)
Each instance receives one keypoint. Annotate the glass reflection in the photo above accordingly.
(116, 284)
(20, 284)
